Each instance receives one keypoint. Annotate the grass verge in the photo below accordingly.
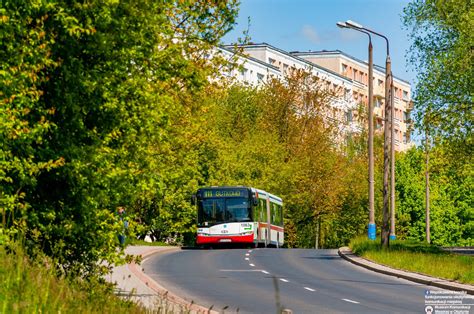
(32, 287)
(417, 257)
(131, 241)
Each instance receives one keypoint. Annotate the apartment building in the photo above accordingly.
(251, 70)
(279, 60)
(357, 70)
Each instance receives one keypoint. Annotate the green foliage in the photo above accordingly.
(32, 286)
(418, 257)
(97, 112)
(442, 55)
(278, 138)
(451, 198)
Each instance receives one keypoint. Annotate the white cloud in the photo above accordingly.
(310, 33)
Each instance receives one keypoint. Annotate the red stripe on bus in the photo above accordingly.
(273, 227)
(224, 239)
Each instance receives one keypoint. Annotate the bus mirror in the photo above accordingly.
(193, 199)
(255, 201)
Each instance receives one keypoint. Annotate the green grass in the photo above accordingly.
(32, 287)
(417, 257)
(130, 241)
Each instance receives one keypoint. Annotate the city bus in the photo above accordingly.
(238, 214)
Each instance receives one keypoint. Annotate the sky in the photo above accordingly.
(303, 25)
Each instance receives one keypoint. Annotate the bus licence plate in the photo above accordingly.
(225, 240)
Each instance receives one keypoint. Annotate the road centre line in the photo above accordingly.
(309, 289)
(265, 272)
(351, 301)
(241, 270)
(247, 254)
(246, 258)
(283, 279)
(252, 265)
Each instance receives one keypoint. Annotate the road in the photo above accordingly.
(264, 280)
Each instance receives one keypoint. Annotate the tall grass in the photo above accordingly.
(417, 257)
(31, 287)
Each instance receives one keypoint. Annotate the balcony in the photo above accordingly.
(378, 112)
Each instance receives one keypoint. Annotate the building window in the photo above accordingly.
(349, 116)
(260, 77)
(344, 68)
(380, 82)
(406, 116)
(285, 67)
(405, 95)
(347, 94)
(243, 72)
(271, 61)
(405, 140)
(378, 103)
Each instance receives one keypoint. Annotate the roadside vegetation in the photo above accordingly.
(417, 257)
(33, 286)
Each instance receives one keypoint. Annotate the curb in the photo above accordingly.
(347, 254)
(160, 290)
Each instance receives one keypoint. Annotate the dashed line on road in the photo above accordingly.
(252, 265)
(351, 301)
(265, 272)
(283, 279)
(240, 270)
(250, 251)
(246, 258)
(247, 254)
(310, 289)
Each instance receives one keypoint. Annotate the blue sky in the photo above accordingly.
(303, 25)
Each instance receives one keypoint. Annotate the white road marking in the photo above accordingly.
(283, 279)
(247, 254)
(252, 265)
(250, 251)
(351, 301)
(265, 272)
(241, 270)
(246, 258)
(310, 289)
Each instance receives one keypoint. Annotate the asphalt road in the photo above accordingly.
(265, 280)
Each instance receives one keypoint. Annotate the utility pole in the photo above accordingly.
(427, 184)
(372, 229)
(386, 165)
(355, 26)
(392, 160)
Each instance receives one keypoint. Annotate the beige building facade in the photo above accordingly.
(357, 71)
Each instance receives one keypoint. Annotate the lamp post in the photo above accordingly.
(388, 131)
(371, 229)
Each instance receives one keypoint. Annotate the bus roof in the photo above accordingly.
(253, 190)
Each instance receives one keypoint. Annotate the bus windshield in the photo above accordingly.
(218, 210)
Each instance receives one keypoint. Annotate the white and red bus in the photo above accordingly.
(238, 214)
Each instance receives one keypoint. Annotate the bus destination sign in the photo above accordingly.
(225, 193)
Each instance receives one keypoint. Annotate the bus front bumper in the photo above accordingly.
(224, 239)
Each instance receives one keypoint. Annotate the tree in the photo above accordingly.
(442, 55)
(98, 108)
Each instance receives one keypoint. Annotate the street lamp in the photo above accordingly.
(372, 228)
(388, 137)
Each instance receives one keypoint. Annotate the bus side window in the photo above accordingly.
(263, 211)
(273, 213)
(281, 215)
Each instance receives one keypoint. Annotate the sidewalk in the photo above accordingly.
(347, 254)
(132, 283)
